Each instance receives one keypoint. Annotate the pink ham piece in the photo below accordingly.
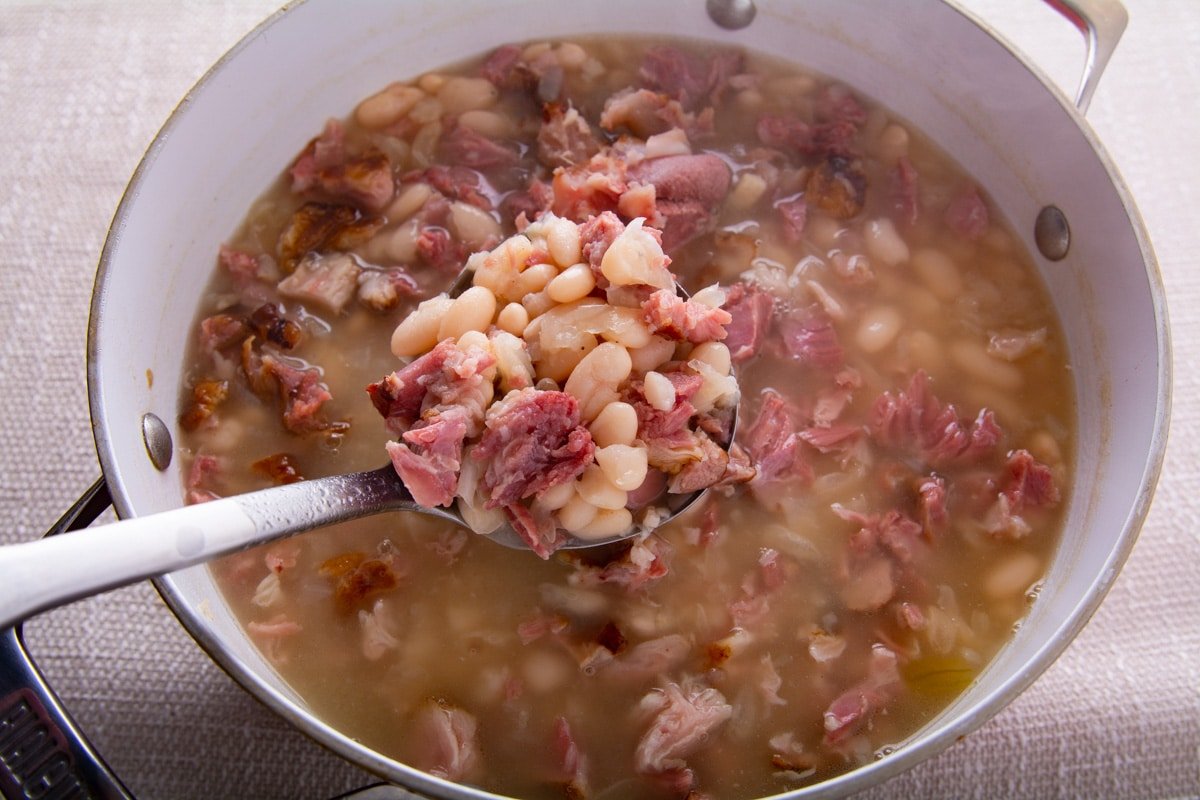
(750, 310)
(916, 422)
(429, 458)
(565, 138)
(533, 442)
(904, 192)
(967, 215)
(794, 214)
(444, 376)
(647, 660)
(684, 719)
(327, 280)
(671, 316)
(773, 440)
(852, 711)
(366, 180)
(646, 561)
(303, 394)
(465, 147)
(537, 530)
(810, 339)
(444, 739)
(686, 78)
(1030, 482)
(688, 190)
(571, 763)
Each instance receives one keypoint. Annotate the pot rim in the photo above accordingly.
(905, 757)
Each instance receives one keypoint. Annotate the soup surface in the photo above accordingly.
(905, 417)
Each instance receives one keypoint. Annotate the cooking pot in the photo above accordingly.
(934, 65)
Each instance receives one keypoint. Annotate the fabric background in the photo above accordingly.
(84, 86)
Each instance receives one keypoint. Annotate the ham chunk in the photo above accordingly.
(750, 311)
(446, 742)
(533, 441)
(967, 215)
(773, 441)
(471, 149)
(429, 458)
(445, 376)
(675, 318)
(684, 719)
(565, 138)
(915, 421)
(688, 191)
(325, 280)
(365, 180)
(811, 340)
(303, 393)
(852, 710)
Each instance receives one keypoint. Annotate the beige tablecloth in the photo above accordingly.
(84, 86)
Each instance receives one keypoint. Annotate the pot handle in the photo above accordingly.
(1101, 22)
(42, 752)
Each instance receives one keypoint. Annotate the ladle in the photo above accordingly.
(38, 575)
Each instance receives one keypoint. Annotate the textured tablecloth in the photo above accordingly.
(84, 86)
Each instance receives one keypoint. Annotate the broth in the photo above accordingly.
(906, 403)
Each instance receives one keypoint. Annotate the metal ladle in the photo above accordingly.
(38, 575)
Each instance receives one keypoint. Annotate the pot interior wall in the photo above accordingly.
(932, 65)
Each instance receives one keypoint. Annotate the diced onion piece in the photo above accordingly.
(636, 257)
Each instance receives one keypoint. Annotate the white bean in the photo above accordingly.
(473, 310)
(606, 523)
(472, 226)
(749, 188)
(925, 351)
(877, 328)
(418, 332)
(556, 497)
(884, 243)
(608, 364)
(938, 272)
(537, 303)
(424, 145)
(659, 351)
(573, 283)
(577, 513)
(460, 93)
(571, 55)
(386, 107)
(535, 278)
(563, 242)
(893, 144)
(659, 391)
(1012, 576)
(488, 123)
(595, 487)
(715, 354)
(513, 318)
(431, 82)
(401, 244)
(617, 424)
(623, 465)
(409, 201)
(972, 357)
(426, 110)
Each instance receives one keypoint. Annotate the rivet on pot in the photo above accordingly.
(157, 440)
(1052, 233)
(731, 14)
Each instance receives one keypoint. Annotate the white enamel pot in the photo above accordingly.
(933, 64)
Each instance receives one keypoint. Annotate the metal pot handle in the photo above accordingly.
(1101, 22)
(42, 752)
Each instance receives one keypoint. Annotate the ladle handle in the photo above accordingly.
(50, 572)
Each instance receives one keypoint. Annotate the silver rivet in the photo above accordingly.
(1052, 233)
(731, 14)
(157, 440)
